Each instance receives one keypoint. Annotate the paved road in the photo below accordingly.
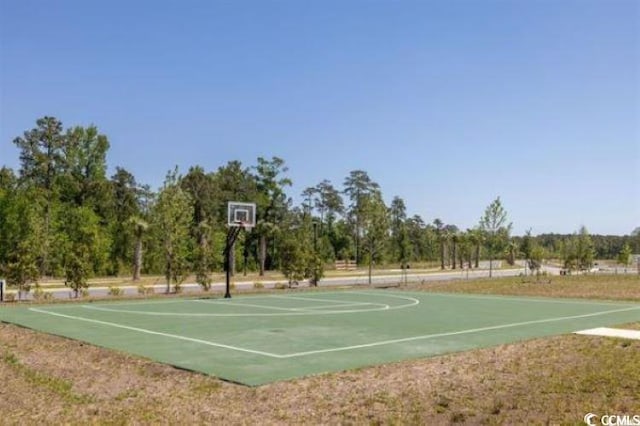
(377, 280)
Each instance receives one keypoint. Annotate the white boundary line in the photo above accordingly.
(317, 299)
(216, 302)
(302, 309)
(157, 333)
(291, 311)
(454, 333)
(346, 305)
(338, 349)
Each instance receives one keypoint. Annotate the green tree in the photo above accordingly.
(476, 238)
(84, 246)
(272, 202)
(21, 230)
(512, 251)
(328, 203)
(172, 219)
(125, 215)
(295, 247)
(577, 251)
(200, 188)
(401, 244)
(526, 247)
(536, 256)
(584, 249)
(138, 226)
(451, 233)
(41, 162)
(83, 179)
(495, 229)
(232, 182)
(443, 237)
(8, 179)
(358, 186)
(624, 257)
(374, 220)
(465, 249)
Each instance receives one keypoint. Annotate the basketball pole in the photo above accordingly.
(232, 235)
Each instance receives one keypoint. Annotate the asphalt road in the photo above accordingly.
(392, 278)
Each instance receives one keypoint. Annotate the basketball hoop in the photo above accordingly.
(242, 224)
(239, 216)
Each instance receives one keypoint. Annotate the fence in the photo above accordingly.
(346, 265)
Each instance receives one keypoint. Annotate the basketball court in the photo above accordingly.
(264, 338)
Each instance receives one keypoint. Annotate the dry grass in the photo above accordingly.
(610, 287)
(47, 379)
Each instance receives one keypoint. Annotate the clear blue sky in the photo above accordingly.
(447, 104)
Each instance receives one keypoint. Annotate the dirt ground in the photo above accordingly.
(52, 380)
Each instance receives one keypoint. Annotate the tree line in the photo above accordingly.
(62, 216)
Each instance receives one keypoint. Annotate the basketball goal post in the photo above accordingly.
(240, 216)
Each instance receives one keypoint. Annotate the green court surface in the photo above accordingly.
(259, 339)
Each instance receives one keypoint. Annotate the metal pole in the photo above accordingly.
(227, 294)
(2, 290)
(231, 238)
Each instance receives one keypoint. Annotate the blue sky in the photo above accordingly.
(447, 104)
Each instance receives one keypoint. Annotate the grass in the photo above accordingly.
(609, 287)
(56, 385)
(48, 379)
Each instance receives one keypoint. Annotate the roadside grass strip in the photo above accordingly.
(264, 338)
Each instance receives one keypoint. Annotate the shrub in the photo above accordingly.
(145, 290)
(115, 291)
(258, 285)
(38, 293)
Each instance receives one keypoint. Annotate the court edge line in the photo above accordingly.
(454, 333)
(299, 312)
(317, 299)
(307, 312)
(343, 348)
(143, 330)
(535, 299)
(214, 302)
(289, 309)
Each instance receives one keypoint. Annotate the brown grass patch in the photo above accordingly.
(610, 287)
(48, 379)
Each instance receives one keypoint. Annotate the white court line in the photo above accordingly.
(338, 304)
(343, 348)
(341, 306)
(287, 309)
(454, 333)
(218, 302)
(251, 314)
(157, 333)
(317, 299)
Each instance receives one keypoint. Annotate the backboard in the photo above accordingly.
(241, 214)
